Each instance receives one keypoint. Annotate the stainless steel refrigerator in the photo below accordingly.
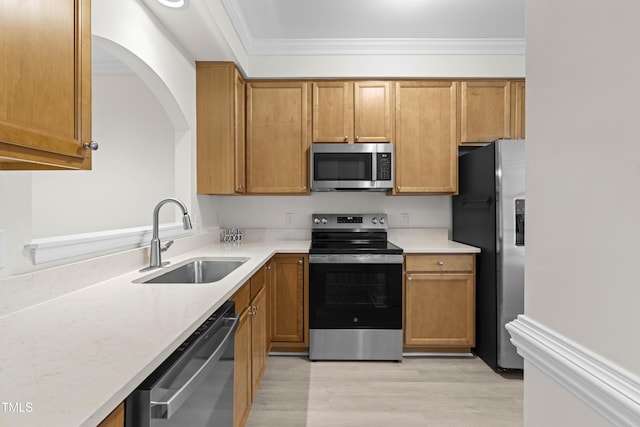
(489, 213)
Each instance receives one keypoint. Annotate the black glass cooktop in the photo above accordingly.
(352, 243)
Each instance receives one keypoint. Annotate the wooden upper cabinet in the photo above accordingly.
(518, 98)
(485, 111)
(277, 138)
(352, 111)
(220, 113)
(426, 148)
(45, 85)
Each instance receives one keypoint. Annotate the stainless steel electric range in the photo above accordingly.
(355, 289)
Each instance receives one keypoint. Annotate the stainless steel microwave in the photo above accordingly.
(351, 167)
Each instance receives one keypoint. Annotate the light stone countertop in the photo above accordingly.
(70, 360)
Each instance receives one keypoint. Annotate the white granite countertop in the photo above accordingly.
(70, 360)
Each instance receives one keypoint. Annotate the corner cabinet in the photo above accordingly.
(220, 110)
(485, 111)
(45, 85)
(358, 111)
(289, 302)
(426, 148)
(439, 302)
(278, 137)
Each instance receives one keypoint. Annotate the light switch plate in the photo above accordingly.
(3, 248)
(404, 218)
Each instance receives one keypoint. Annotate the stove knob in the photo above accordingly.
(374, 220)
(382, 220)
(324, 220)
(316, 220)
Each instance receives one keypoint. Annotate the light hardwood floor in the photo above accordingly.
(419, 392)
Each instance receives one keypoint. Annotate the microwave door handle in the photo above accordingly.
(374, 166)
(167, 408)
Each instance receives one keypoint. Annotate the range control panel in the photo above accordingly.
(353, 221)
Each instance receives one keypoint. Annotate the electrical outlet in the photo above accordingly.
(290, 219)
(404, 218)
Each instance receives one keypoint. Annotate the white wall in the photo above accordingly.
(132, 170)
(270, 211)
(128, 32)
(583, 176)
(386, 66)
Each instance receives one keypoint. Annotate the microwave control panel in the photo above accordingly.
(384, 167)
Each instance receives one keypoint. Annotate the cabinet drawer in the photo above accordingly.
(242, 297)
(258, 281)
(440, 263)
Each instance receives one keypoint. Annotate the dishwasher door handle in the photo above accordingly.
(167, 408)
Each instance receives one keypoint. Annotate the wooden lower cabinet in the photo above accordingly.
(251, 346)
(242, 391)
(115, 418)
(289, 302)
(439, 302)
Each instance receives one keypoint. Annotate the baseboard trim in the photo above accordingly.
(608, 388)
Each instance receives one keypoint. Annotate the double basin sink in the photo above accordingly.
(195, 270)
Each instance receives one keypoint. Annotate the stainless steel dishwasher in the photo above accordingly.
(193, 387)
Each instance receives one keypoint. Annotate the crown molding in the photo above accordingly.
(381, 46)
(367, 46)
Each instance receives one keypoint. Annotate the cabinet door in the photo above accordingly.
(278, 126)
(485, 111)
(440, 310)
(242, 392)
(332, 111)
(45, 85)
(115, 418)
(258, 339)
(288, 300)
(426, 147)
(518, 101)
(220, 109)
(372, 111)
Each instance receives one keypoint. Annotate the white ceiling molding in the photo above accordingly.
(458, 46)
(366, 46)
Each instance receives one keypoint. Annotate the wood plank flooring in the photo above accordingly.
(420, 391)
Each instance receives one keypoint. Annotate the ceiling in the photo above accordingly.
(227, 29)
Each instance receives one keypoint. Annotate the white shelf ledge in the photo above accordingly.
(63, 247)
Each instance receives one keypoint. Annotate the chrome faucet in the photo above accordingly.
(156, 249)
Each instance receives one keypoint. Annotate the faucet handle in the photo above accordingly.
(166, 246)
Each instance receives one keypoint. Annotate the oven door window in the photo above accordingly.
(342, 167)
(355, 296)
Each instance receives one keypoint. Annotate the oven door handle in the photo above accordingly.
(356, 259)
(167, 407)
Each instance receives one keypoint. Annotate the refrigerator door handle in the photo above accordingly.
(486, 200)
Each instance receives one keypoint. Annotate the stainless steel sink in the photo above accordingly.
(195, 270)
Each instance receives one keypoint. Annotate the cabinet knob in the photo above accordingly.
(300, 261)
(252, 313)
(409, 278)
(93, 145)
(256, 307)
(357, 138)
(440, 263)
(346, 138)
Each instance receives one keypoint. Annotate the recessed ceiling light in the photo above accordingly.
(175, 4)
